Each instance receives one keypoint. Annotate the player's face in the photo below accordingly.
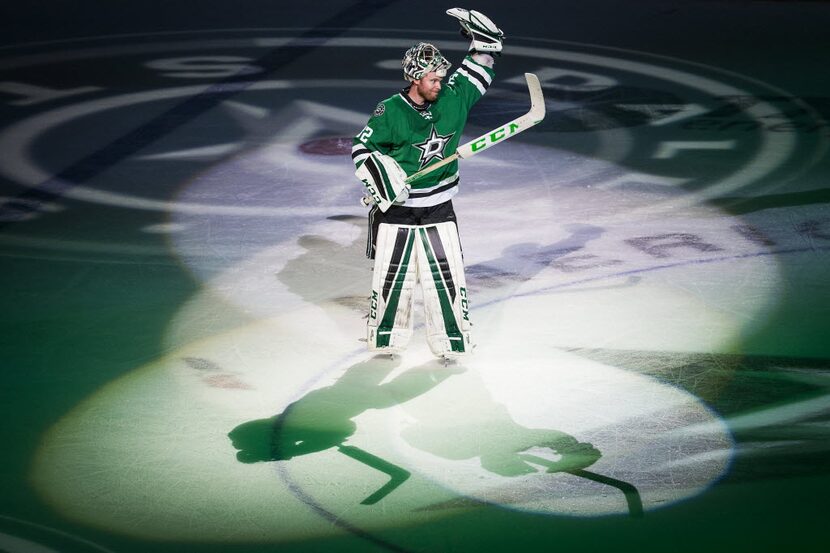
(429, 86)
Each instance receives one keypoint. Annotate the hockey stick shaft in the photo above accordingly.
(415, 176)
(496, 136)
(500, 134)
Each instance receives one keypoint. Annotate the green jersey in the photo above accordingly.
(419, 135)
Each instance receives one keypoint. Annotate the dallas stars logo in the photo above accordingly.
(433, 146)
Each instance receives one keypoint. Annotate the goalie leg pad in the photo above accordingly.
(390, 309)
(384, 180)
(441, 273)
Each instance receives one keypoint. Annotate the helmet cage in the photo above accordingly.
(421, 59)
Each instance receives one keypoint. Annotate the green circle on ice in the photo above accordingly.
(149, 454)
(541, 419)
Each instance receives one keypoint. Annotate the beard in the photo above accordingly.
(428, 94)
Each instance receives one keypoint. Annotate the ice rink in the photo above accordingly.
(185, 284)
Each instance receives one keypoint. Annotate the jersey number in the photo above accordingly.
(364, 135)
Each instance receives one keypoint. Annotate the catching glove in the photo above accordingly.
(486, 37)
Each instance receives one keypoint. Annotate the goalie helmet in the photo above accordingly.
(422, 59)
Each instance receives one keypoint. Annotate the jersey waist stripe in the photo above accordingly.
(442, 182)
(433, 191)
(432, 200)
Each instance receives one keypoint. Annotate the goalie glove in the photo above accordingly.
(384, 180)
(486, 37)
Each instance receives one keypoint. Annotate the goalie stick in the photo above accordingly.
(491, 138)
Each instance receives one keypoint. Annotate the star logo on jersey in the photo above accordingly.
(433, 146)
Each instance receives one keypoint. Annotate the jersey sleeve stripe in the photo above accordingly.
(473, 67)
(358, 149)
(477, 81)
(358, 161)
(359, 153)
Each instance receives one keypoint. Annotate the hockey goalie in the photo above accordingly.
(413, 236)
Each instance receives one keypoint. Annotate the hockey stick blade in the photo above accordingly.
(496, 136)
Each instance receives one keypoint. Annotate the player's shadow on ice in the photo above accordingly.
(323, 418)
(522, 262)
(475, 427)
(328, 271)
(480, 427)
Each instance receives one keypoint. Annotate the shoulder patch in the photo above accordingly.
(379, 110)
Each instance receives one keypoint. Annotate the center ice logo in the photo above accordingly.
(626, 133)
(687, 118)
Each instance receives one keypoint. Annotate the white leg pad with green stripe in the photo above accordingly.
(441, 273)
(390, 307)
(430, 255)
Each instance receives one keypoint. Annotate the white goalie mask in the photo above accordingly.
(422, 59)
